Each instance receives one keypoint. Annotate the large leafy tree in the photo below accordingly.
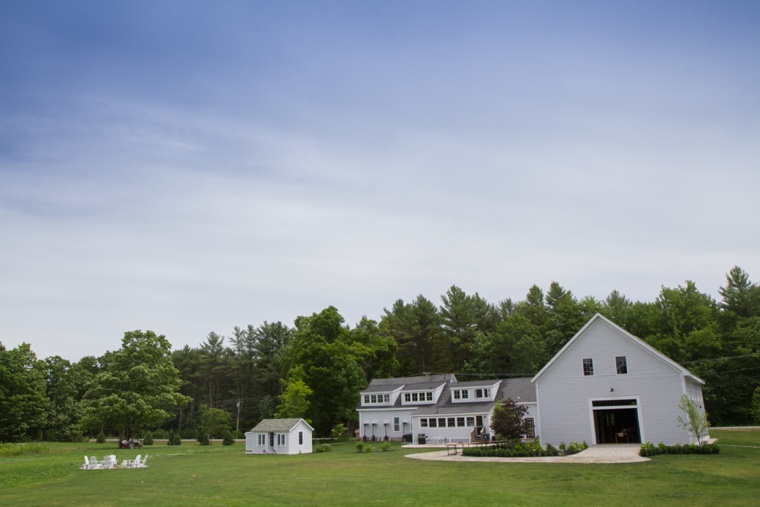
(322, 347)
(138, 388)
(23, 400)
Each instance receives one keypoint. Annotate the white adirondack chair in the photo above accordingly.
(141, 464)
(86, 465)
(134, 463)
(109, 462)
(93, 464)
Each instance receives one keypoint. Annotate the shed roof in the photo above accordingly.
(270, 425)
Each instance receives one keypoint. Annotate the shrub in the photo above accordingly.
(551, 450)
(339, 432)
(203, 439)
(562, 447)
(359, 446)
(101, 438)
(323, 448)
(174, 439)
(227, 439)
(148, 438)
(385, 446)
(649, 449)
(161, 434)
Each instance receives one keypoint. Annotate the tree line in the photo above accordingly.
(316, 367)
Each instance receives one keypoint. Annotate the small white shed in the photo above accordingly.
(279, 436)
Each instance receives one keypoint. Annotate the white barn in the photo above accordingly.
(279, 436)
(607, 386)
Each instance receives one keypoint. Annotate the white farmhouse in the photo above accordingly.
(279, 436)
(437, 408)
(604, 386)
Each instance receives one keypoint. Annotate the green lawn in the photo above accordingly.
(219, 475)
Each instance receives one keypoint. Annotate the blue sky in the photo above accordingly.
(190, 166)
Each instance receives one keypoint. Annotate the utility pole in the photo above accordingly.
(237, 427)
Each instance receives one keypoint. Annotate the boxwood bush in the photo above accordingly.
(649, 449)
(523, 450)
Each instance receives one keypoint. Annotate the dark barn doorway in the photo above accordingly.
(617, 426)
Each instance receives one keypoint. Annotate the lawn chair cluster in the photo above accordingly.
(110, 462)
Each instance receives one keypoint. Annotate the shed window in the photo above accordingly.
(622, 365)
(588, 366)
(300, 438)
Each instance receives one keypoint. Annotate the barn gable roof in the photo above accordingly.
(598, 319)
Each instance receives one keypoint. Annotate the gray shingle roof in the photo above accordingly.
(270, 425)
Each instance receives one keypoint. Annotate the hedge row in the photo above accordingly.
(649, 449)
(521, 450)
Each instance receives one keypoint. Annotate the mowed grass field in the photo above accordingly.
(223, 475)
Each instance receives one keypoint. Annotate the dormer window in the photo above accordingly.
(377, 399)
(457, 394)
(482, 393)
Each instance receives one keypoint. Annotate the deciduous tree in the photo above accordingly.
(138, 388)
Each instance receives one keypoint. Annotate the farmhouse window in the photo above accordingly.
(460, 422)
(456, 394)
(429, 396)
(588, 366)
(423, 423)
(622, 365)
(396, 424)
(530, 427)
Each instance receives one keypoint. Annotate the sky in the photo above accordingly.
(191, 166)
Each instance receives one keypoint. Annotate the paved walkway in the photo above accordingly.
(618, 453)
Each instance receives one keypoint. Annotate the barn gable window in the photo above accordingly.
(622, 365)
(588, 366)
